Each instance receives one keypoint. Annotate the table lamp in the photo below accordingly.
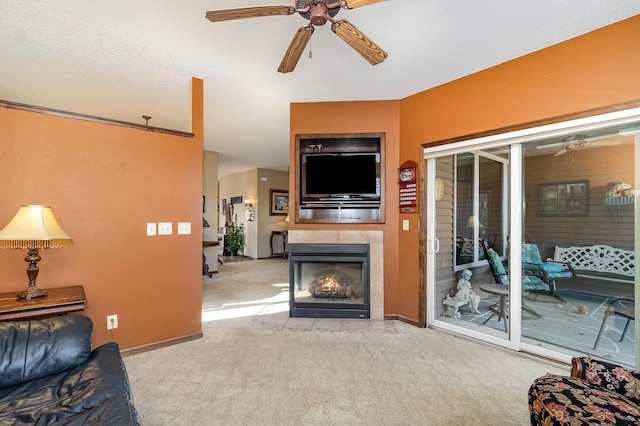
(33, 227)
(473, 221)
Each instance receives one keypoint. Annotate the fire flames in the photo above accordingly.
(330, 286)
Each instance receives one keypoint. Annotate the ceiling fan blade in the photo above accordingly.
(249, 12)
(352, 4)
(359, 42)
(297, 46)
(562, 151)
(550, 146)
(603, 143)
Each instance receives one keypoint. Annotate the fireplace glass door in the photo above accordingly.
(329, 280)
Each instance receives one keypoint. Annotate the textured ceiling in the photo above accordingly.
(124, 59)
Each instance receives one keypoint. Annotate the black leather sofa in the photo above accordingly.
(50, 376)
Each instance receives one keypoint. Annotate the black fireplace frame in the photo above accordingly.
(355, 253)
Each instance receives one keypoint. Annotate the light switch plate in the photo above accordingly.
(184, 228)
(164, 228)
(151, 229)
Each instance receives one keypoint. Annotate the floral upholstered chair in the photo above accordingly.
(597, 393)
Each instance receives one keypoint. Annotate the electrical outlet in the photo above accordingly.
(184, 228)
(151, 229)
(405, 225)
(164, 228)
(112, 322)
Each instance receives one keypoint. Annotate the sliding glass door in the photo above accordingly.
(579, 225)
(469, 220)
(531, 238)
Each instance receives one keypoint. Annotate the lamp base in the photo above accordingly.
(31, 293)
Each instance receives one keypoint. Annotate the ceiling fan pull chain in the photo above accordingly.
(310, 53)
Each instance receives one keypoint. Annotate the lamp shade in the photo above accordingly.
(473, 221)
(34, 226)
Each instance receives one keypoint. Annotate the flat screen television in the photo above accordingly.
(340, 177)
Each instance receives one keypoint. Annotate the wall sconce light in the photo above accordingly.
(33, 227)
(249, 212)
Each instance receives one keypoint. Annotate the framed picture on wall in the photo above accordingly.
(278, 202)
(564, 198)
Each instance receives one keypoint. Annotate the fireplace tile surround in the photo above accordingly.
(376, 253)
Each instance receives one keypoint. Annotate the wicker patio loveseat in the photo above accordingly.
(597, 393)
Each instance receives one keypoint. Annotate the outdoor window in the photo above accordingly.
(480, 210)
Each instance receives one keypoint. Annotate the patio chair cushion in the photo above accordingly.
(533, 283)
(501, 273)
(530, 281)
(531, 254)
(553, 268)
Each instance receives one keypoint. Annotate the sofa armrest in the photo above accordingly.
(623, 380)
(39, 348)
(577, 368)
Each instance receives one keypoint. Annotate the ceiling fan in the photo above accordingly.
(318, 12)
(575, 142)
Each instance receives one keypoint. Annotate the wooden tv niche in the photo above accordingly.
(340, 178)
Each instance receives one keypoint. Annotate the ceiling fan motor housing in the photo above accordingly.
(318, 11)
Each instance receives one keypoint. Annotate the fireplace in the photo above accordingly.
(329, 280)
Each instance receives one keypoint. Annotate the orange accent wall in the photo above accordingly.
(358, 117)
(594, 70)
(104, 183)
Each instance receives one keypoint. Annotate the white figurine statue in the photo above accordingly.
(465, 293)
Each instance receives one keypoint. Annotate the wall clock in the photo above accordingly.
(407, 174)
(407, 177)
(439, 189)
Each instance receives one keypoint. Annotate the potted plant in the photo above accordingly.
(236, 239)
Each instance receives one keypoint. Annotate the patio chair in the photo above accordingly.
(533, 279)
(531, 259)
(615, 307)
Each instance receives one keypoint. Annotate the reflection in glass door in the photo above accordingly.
(531, 238)
(579, 227)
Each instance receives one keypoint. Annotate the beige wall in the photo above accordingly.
(210, 191)
(251, 184)
(276, 179)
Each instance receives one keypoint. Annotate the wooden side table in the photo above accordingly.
(59, 301)
(501, 309)
(205, 266)
(284, 235)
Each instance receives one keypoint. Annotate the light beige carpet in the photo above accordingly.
(255, 366)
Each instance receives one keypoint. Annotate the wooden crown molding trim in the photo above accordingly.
(91, 118)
